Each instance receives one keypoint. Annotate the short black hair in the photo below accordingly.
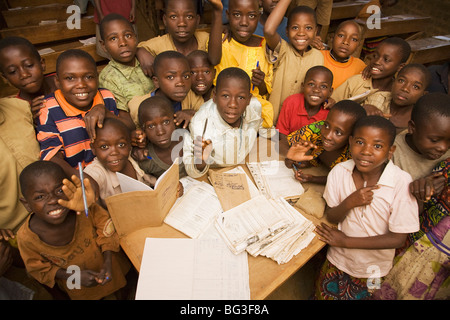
(75, 53)
(420, 68)
(233, 72)
(345, 22)
(114, 122)
(155, 102)
(165, 55)
(199, 53)
(403, 45)
(430, 105)
(112, 17)
(351, 108)
(299, 10)
(14, 41)
(378, 122)
(320, 68)
(37, 169)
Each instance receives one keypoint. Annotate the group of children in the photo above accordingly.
(204, 98)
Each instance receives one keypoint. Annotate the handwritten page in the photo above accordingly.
(192, 269)
(275, 180)
(194, 211)
(254, 191)
(231, 188)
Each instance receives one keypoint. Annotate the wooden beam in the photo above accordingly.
(34, 15)
(430, 50)
(347, 9)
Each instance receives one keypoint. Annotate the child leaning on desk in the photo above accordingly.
(224, 129)
(56, 237)
(369, 198)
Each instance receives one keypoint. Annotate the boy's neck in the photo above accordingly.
(165, 154)
(338, 59)
(411, 145)
(132, 63)
(186, 47)
(399, 110)
(56, 235)
(371, 177)
(383, 84)
(312, 111)
(251, 42)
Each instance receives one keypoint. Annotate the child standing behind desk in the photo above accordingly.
(55, 237)
(389, 57)
(123, 75)
(339, 59)
(291, 60)
(181, 20)
(329, 139)
(247, 51)
(112, 150)
(203, 74)
(22, 65)
(369, 198)
(224, 129)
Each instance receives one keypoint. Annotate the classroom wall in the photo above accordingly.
(439, 10)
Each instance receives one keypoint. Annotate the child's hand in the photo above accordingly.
(88, 278)
(74, 194)
(361, 197)
(180, 190)
(303, 177)
(216, 4)
(146, 60)
(330, 235)
(297, 152)
(6, 258)
(258, 80)
(105, 274)
(318, 43)
(138, 138)
(202, 149)
(139, 154)
(329, 103)
(183, 116)
(6, 234)
(366, 73)
(428, 186)
(93, 118)
(36, 105)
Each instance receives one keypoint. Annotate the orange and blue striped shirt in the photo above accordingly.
(61, 128)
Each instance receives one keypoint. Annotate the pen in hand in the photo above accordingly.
(80, 169)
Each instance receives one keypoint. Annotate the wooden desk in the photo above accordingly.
(347, 9)
(429, 50)
(265, 275)
(396, 25)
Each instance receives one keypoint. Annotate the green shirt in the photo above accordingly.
(125, 82)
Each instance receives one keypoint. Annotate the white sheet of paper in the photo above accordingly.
(192, 269)
(128, 184)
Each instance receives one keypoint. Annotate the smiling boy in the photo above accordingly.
(61, 130)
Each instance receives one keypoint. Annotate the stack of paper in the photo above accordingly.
(268, 227)
(275, 180)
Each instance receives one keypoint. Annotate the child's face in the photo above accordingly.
(432, 138)
(386, 61)
(22, 69)
(232, 98)
(181, 20)
(112, 147)
(408, 87)
(41, 197)
(370, 148)
(336, 130)
(301, 31)
(202, 75)
(173, 79)
(243, 17)
(346, 40)
(78, 80)
(158, 127)
(120, 42)
(317, 88)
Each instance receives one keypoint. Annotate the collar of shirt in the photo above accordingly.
(70, 110)
(127, 71)
(387, 177)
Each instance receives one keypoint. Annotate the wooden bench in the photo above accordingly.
(32, 3)
(430, 50)
(347, 9)
(396, 25)
(53, 32)
(34, 15)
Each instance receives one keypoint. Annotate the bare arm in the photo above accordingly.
(215, 36)
(272, 23)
